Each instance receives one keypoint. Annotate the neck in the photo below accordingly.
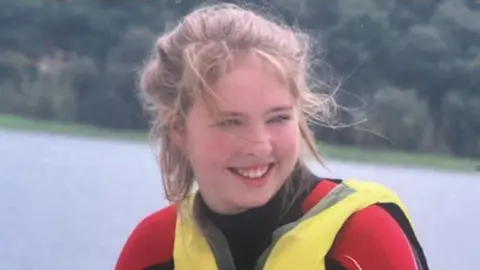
(250, 232)
(282, 208)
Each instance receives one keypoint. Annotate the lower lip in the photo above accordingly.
(257, 182)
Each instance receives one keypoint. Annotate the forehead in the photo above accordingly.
(251, 86)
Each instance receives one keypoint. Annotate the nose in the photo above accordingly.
(259, 142)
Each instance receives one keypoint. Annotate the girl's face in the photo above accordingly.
(244, 151)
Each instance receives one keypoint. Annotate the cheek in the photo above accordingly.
(207, 147)
(287, 142)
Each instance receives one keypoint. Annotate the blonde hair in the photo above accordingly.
(190, 58)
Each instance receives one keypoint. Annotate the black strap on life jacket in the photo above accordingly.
(396, 212)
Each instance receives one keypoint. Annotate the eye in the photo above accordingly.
(280, 118)
(229, 123)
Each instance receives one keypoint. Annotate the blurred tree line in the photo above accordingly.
(410, 67)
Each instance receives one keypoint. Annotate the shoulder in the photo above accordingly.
(151, 241)
(374, 239)
(371, 192)
(379, 236)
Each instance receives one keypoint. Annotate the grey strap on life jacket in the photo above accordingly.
(338, 193)
(219, 245)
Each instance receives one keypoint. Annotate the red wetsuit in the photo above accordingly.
(376, 238)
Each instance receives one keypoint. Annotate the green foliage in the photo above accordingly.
(401, 117)
(414, 63)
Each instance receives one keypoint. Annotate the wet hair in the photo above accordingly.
(191, 57)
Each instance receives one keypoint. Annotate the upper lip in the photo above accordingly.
(254, 165)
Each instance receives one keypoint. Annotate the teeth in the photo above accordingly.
(252, 173)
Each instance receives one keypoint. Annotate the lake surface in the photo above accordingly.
(70, 203)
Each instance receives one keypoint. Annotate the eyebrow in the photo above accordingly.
(272, 110)
(281, 109)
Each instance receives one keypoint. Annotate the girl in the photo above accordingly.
(230, 102)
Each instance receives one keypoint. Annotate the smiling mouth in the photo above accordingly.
(256, 172)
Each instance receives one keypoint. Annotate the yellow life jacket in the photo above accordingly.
(299, 245)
